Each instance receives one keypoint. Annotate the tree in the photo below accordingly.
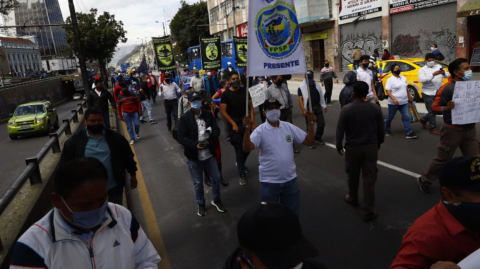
(98, 37)
(184, 26)
(6, 6)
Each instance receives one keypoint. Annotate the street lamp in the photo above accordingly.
(163, 23)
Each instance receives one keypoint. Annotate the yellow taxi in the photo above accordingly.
(410, 68)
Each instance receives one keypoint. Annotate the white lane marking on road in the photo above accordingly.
(387, 165)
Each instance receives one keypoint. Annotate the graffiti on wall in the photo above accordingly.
(419, 44)
(367, 42)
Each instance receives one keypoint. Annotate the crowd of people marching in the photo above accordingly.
(94, 162)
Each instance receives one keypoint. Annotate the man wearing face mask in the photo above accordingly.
(99, 98)
(196, 82)
(108, 146)
(438, 55)
(198, 132)
(210, 83)
(129, 109)
(229, 69)
(169, 90)
(233, 107)
(431, 76)
(448, 232)
(452, 136)
(327, 74)
(84, 230)
(366, 75)
(275, 139)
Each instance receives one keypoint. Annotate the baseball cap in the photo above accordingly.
(134, 83)
(270, 102)
(194, 95)
(461, 172)
(273, 232)
(261, 78)
(310, 74)
(229, 63)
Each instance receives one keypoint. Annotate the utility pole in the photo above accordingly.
(81, 59)
(234, 21)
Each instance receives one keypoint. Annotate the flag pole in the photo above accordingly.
(308, 90)
(247, 82)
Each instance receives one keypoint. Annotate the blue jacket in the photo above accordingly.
(207, 85)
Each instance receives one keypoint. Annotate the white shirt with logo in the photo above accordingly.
(276, 151)
(367, 77)
(398, 86)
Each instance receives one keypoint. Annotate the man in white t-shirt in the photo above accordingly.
(398, 99)
(277, 168)
(170, 90)
(431, 76)
(364, 74)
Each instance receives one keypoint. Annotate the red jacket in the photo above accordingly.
(128, 104)
(153, 79)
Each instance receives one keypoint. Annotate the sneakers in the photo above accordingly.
(424, 124)
(411, 136)
(320, 142)
(220, 208)
(425, 188)
(202, 211)
(312, 147)
(434, 132)
(138, 136)
(243, 180)
(296, 151)
(388, 133)
(132, 142)
(223, 182)
(143, 121)
(153, 122)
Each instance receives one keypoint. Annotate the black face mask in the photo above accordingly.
(279, 82)
(365, 65)
(327, 65)
(468, 214)
(235, 84)
(100, 88)
(95, 129)
(397, 72)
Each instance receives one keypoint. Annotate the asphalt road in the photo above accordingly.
(12, 161)
(335, 228)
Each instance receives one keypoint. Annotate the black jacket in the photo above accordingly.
(101, 102)
(187, 133)
(120, 151)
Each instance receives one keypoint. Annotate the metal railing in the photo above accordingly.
(32, 171)
(27, 82)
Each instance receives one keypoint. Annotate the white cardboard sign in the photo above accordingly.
(467, 102)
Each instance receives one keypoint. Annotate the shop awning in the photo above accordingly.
(470, 8)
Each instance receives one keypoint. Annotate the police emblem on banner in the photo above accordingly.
(241, 50)
(212, 51)
(165, 55)
(277, 30)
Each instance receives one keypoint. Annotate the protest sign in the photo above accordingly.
(163, 53)
(257, 93)
(211, 51)
(467, 102)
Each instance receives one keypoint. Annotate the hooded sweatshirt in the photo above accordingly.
(346, 95)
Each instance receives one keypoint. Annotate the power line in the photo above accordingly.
(79, 6)
(85, 6)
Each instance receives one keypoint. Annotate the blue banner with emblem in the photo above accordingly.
(274, 39)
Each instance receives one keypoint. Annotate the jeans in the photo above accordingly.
(171, 108)
(284, 193)
(106, 119)
(364, 161)
(318, 110)
(430, 117)
(129, 117)
(328, 89)
(146, 107)
(196, 168)
(236, 139)
(392, 110)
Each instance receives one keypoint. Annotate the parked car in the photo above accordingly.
(410, 68)
(32, 118)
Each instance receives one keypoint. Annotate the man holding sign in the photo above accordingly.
(452, 134)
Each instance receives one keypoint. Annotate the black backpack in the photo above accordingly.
(439, 57)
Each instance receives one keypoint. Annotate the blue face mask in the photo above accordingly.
(88, 219)
(467, 75)
(197, 105)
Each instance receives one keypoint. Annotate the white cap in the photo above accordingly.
(209, 73)
(229, 63)
(119, 74)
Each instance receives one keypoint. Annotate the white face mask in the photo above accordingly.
(273, 115)
(432, 48)
(431, 63)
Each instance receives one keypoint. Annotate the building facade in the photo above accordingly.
(221, 17)
(332, 29)
(21, 55)
(50, 39)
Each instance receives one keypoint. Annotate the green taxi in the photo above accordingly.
(32, 118)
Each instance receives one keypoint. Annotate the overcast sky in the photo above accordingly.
(138, 16)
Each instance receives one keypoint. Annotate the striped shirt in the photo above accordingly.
(281, 94)
(327, 73)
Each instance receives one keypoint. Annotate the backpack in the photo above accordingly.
(439, 57)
